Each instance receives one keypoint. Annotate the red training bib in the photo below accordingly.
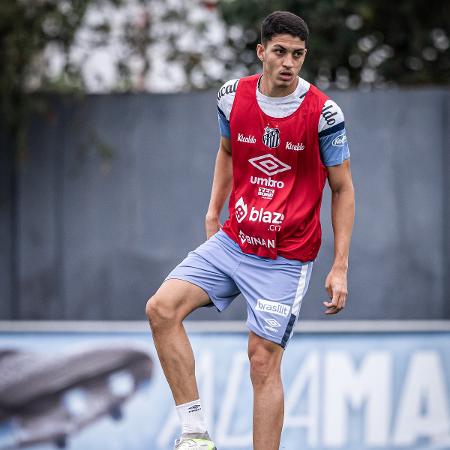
(278, 177)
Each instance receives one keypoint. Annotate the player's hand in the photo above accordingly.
(212, 225)
(336, 286)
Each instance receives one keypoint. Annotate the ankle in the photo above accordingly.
(191, 417)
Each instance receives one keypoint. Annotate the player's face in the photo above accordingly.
(282, 58)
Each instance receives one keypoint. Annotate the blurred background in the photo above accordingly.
(106, 171)
(108, 136)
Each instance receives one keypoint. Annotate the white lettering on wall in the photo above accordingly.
(326, 395)
(423, 407)
(232, 404)
(369, 385)
(305, 388)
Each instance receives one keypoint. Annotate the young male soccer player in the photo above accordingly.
(281, 138)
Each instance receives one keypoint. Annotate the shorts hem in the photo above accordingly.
(196, 283)
(268, 337)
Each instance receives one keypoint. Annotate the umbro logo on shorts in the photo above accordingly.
(272, 307)
(273, 323)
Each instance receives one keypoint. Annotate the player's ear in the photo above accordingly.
(260, 50)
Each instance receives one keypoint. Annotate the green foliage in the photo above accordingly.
(26, 28)
(355, 42)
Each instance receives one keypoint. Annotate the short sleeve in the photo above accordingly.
(224, 124)
(334, 149)
(225, 99)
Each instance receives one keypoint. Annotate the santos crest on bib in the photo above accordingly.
(271, 137)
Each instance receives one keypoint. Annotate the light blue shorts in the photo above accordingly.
(273, 289)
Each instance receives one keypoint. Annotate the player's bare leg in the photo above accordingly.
(268, 398)
(173, 301)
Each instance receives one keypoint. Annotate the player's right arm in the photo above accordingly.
(221, 187)
(223, 172)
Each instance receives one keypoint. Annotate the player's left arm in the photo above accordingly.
(342, 215)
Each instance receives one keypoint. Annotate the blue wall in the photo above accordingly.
(358, 391)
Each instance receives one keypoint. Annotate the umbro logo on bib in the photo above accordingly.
(271, 137)
(269, 164)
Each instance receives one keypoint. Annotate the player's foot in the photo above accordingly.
(194, 441)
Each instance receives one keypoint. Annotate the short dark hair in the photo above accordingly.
(283, 22)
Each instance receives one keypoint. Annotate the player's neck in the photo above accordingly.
(266, 87)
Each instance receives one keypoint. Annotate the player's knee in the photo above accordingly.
(264, 367)
(159, 312)
(259, 369)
